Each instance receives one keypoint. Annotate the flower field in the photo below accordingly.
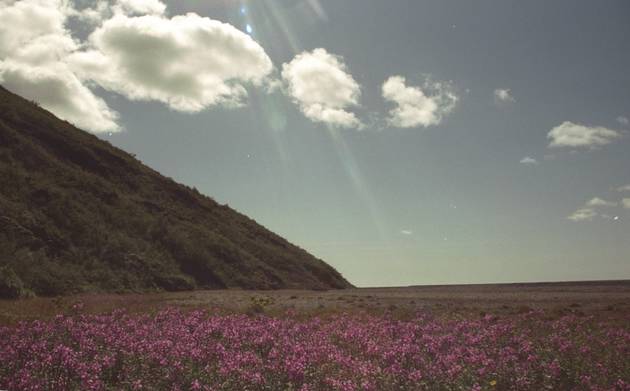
(198, 350)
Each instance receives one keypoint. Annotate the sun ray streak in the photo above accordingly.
(358, 183)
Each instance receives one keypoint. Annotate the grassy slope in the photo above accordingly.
(77, 214)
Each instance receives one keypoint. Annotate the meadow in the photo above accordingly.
(275, 341)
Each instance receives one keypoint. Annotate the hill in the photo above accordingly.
(79, 215)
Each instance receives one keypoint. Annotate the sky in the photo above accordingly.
(403, 142)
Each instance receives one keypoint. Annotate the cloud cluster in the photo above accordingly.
(319, 83)
(583, 214)
(416, 106)
(600, 202)
(503, 95)
(188, 62)
(569, 134)
(592, 209)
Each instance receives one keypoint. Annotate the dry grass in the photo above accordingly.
(605, 300)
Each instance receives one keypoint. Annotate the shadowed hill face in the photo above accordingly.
(77, 214)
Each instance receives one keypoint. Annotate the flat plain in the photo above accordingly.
(602, 299)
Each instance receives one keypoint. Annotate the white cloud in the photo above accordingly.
(23, 22)
(569, 134)
(624, 188)
(153, 7)
(623, 120)
(588, 211)
(600, 202)
(626, 203)
(319, 83)
(95, 12)
(57, 89)
(584, 214)
(503, 95)
(406, 232)
(188, 62)
(529, 160)
(34, 44)
(417, 106)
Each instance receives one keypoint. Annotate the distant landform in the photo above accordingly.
(79, 215)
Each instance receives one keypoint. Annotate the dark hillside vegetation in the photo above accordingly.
(79, 215)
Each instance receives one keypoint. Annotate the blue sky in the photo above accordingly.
(404, 142)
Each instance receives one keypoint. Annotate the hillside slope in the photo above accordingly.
(79, 215)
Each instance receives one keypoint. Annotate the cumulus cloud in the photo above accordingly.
(623, 120)
(600, 202)
(416, 106)
(188, 62)
(57, 89)
(569, 134)
(529, 161)
(319, 83)
(584, 214)
(34, 44)
(503, 95)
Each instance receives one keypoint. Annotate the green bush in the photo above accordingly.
(11, 287)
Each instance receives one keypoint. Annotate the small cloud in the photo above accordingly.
(409, 232)
(503, 95)
(418, 106)
(321, 86)
(142, 7)
(588, 211)
(624, 188)
(600, 202)
(623, 120)
(584, 214)
(569, 134)
(529, 161)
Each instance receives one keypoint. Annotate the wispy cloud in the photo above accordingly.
(529, 161)
(624, 188)
(503, 95)
(626, 203)
(600, 202)
(406, 232)
(584, 214)
(569, 134)
(590, 210)
(623, 120)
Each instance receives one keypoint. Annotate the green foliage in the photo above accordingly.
(78, 215)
